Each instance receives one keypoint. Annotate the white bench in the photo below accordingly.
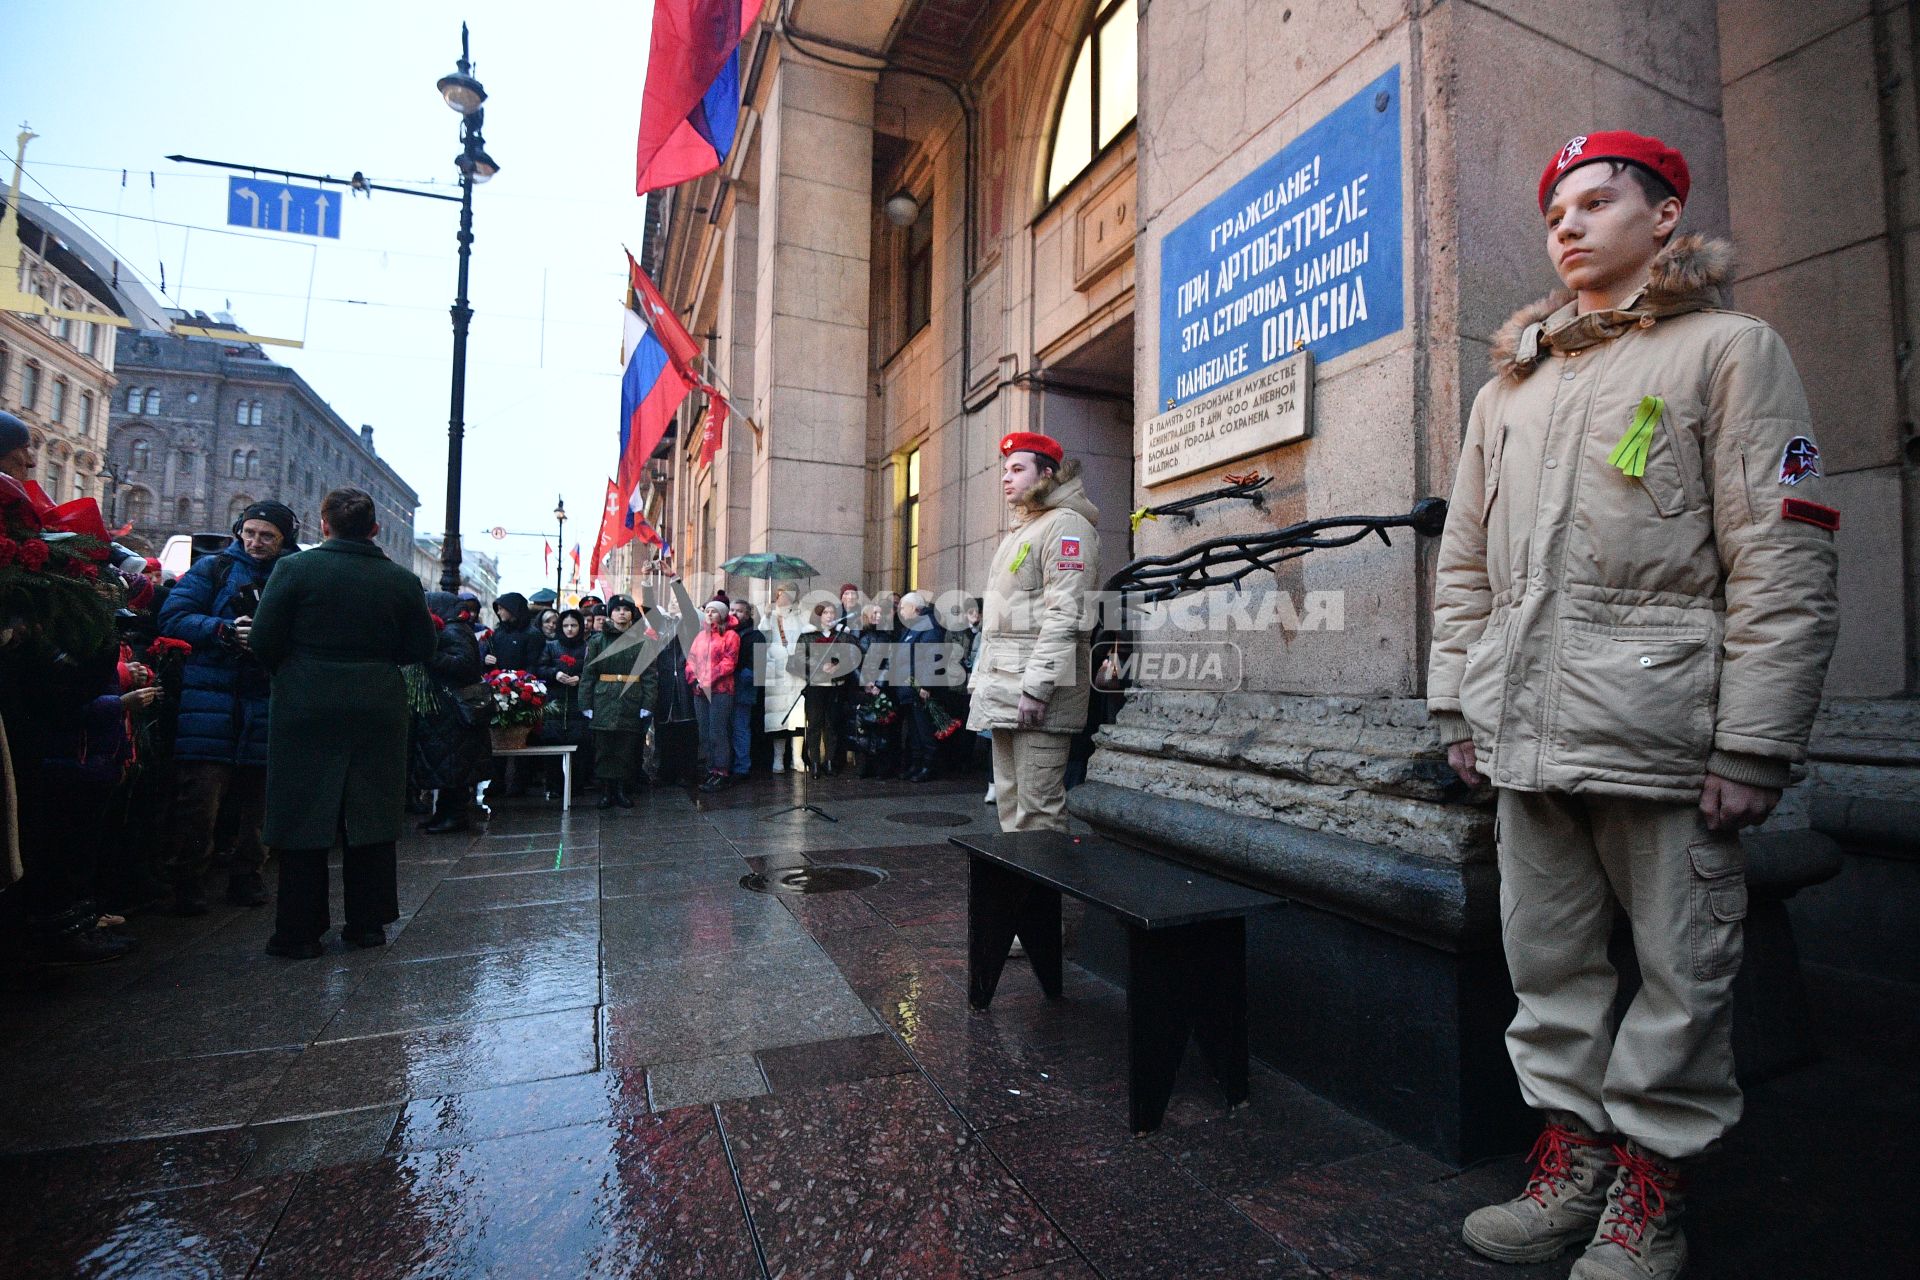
(566, 766)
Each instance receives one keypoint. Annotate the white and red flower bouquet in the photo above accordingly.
(518, 697)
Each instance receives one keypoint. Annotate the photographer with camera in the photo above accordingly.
(221, 739)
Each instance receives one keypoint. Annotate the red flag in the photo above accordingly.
(614, 533)
(713, 434)
(546, 558)
(690, 108)
(644, 297)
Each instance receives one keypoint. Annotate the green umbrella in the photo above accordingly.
(767, 564)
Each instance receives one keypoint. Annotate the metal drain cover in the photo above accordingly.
(930, 818)
(826, 877)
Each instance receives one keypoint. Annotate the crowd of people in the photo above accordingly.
(145, 774)
(662, 692)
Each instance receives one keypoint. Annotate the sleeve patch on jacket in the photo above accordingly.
(1800, 460)
(1070, 548)
(1810, 513)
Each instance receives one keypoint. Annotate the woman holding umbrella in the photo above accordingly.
(781, 693)
(783, 715)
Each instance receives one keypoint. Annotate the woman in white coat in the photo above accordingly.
(781, 696)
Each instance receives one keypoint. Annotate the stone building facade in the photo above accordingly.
(200, 428)
(57, 373)
(948, 219)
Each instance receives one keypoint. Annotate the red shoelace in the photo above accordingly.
(1552, 1160)
(1642, 1198)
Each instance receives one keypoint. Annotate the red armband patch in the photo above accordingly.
(1810, 513)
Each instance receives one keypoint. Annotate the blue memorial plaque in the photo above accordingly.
(279, 206)
(1303, 254)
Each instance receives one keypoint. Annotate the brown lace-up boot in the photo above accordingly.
(1640, 1237)
(1564, 1198)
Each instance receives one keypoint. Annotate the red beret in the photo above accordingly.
(1649, 153)
(1032, 442)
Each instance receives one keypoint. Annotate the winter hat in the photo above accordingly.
(848, 586)
(277, 514)
(1651, 154)
(622, 602)
(443, 605)
(1033, 442)
(153, 562)
(13, 433)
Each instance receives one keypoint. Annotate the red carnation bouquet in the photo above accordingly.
(517, 697)
(52, 593)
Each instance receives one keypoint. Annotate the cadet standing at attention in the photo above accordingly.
(1030, 679)
(1633, 614)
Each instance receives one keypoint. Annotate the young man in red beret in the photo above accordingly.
(1633, 614)
(1030, 678)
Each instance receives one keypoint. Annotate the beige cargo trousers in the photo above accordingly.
(1664, 1076)
(1030, 779)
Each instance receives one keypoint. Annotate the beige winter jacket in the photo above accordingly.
(1599, 633)
(1034, 623)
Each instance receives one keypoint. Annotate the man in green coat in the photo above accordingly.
(334, 632)
(617, 693)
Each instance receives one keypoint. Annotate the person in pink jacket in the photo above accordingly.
(710, 667)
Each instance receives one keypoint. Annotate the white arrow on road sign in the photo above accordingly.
(320, 203)
(254, 197)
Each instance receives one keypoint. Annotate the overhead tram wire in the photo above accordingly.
(58, 203)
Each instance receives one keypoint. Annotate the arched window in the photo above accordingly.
(133, 399)
(57, 406)
(153, 400)
(238, 466)
(253, 418)
(253, 464)
(139, 506)
(240, 414)
(1102, 95)
(239, 504)
(30, 386)
(141, 456)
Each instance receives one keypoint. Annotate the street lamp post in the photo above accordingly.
(559, 545)
(464, 94)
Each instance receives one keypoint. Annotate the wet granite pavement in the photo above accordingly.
(588, 1052)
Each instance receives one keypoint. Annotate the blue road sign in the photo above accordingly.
(276, 206)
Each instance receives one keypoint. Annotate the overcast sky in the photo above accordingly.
(330, 88)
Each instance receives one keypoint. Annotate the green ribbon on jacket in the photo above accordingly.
(1021, 558)
(1630, 455)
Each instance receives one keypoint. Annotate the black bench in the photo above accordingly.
(1186, 947)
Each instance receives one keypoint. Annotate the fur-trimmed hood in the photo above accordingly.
(1686, 276)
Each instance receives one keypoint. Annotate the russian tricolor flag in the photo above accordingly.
(651, 389)
(690, 109)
